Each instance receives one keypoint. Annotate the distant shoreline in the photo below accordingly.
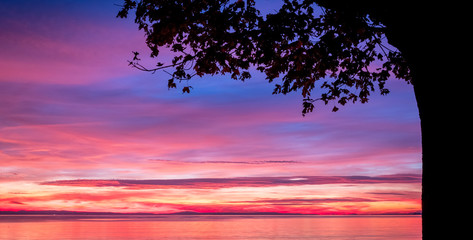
(52, 212)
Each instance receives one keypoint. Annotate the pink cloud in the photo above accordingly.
(215, 183)
(107, 128)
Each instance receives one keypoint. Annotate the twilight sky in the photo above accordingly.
(82, 131)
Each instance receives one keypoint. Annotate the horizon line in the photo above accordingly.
(66, 212)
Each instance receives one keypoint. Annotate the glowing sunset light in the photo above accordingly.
(82, 131)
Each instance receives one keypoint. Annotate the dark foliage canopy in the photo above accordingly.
(329, 55)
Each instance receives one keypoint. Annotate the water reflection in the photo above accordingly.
(136, 227)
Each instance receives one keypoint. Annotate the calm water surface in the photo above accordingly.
(109, 227)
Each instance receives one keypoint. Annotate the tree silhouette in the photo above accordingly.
(329, 50)
(333, 51)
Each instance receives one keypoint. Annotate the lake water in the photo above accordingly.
(189, 227)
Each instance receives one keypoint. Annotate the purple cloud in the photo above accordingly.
(308, 201)
(213, 183)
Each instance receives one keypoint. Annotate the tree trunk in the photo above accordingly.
(433, 156)
(441, 135)
(402, 35)
(422, 38)
(431, 36)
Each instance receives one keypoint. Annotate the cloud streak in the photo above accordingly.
(310, 201)
(226, 162)
(214, 183)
